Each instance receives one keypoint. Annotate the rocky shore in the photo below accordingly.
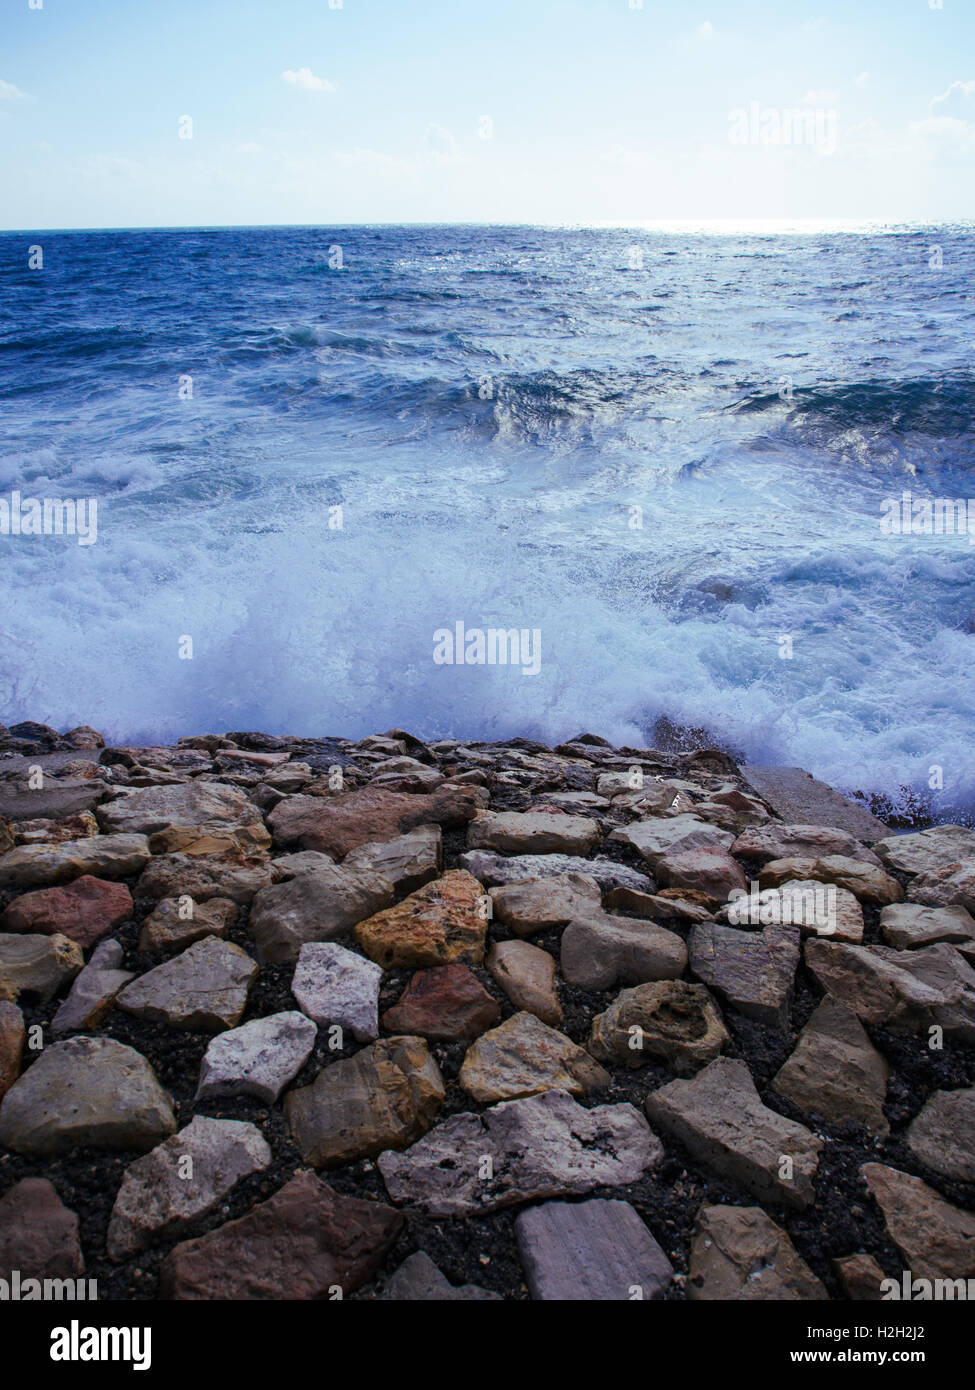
(287, 1018)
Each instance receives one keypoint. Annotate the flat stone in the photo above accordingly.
(384, 1097)
(442, 923)
(909, 991)
(340, 824)
(949, 886)
(314, 907)
(710, 871)
(928, 849)
(178, 922)
(305, 861)
(542, 1146)
(798, 797)
(754, 971)
(203, 990)
(37, 966)
(942, 1136)
(305, 1242)
(653, 839)
(599, 952)
(719, 1118)
(527, 976)
(86, 1093)
(84, 911)
(545, 903)
(13, 1039)
(258, 1059)
(907, 925)
(936, 1239)
(418, 1280)
(182, 1179)
(494, 870)
(522, 1057)
(533, 832)
(836, 1072)
(815, 908)
(597, 1250)
(686, 907)
(59, 797)
(337, 988)
(185, 805)
(38, 1234)
(668, 1021)
(408, 862)
(865, 881)
(93, 992)
(202, 878)
(103, 856)
(738, 1254)
(776, 841)
(445, 1004)
(860, 1277)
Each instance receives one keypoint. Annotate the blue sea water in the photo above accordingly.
(668, 452)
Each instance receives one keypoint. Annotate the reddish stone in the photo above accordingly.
(84, 910)
(301, 1243)
(339, 824)
(84, 736)
(38, 1234)
(708, 870)
(13, 1036)
(447, 1003)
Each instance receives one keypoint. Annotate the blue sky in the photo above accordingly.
(374, 111)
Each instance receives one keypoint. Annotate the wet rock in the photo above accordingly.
(942, 1136)
(185, 1177)
(337, 988)
(544, 903)
(37, 966)
(445, 1004)
(408, 862)
(936, 1239)
(909, 991)
(907, 925)
(339, 824)
(84, 911)
(258, 1059)
(949, 886)
(601, 951)
(187, 804)
(776, 841)
(103, 856)
(720, 1119)
(384, 1097)
(669, 1021)
(305, 1242)
(532, 832)
(441, 923)
(836, 1072)
(864, 881)
(595, 1250)
(13, 1038)
(418, 1280)
(738, 1254)
(527, 976)
(522, 1057)
(753, 970)
(316, 906)
(710, 871)
(928, 849)
(860, 1277)
(38, 1234)
(178, 922)
(203, 878)
(541, 1146)
(494, 870)
(86, 1093)
(202, 990)
(93, 991)
(655, 838)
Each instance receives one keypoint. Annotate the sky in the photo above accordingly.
(126, 113)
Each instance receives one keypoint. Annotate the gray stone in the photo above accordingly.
(947, 886)
(928, 849)
(202, 990)
(936, 1239)
(544, 903)
(37, 965)
(315, 907)
(738, 1254)
(408, 862)
(532, 832)
(202, 877)
(776, 841)
(942, 1136)
(184, 1178)
(103, 856)
(909, 991)
(865, 881)
(86, 1093)
(527, 975)
(258, 1059)
(754, 970)
(596, 1250)
(418, 1280)
(657, 837)
(56, 799)
(601, 951)
(494, 870)
(798, 797)
(541, 1146)
(187, 805)
(93, 991)
(336, 987)
(836, 1072)
(38, 1235)
(907, 925)
(178, 922)
(719, 1118)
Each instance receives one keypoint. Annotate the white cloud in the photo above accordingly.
(306, 81)
(958, 101)
(8, 92)
(705, 30)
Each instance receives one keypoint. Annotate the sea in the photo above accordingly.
(695, 468)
